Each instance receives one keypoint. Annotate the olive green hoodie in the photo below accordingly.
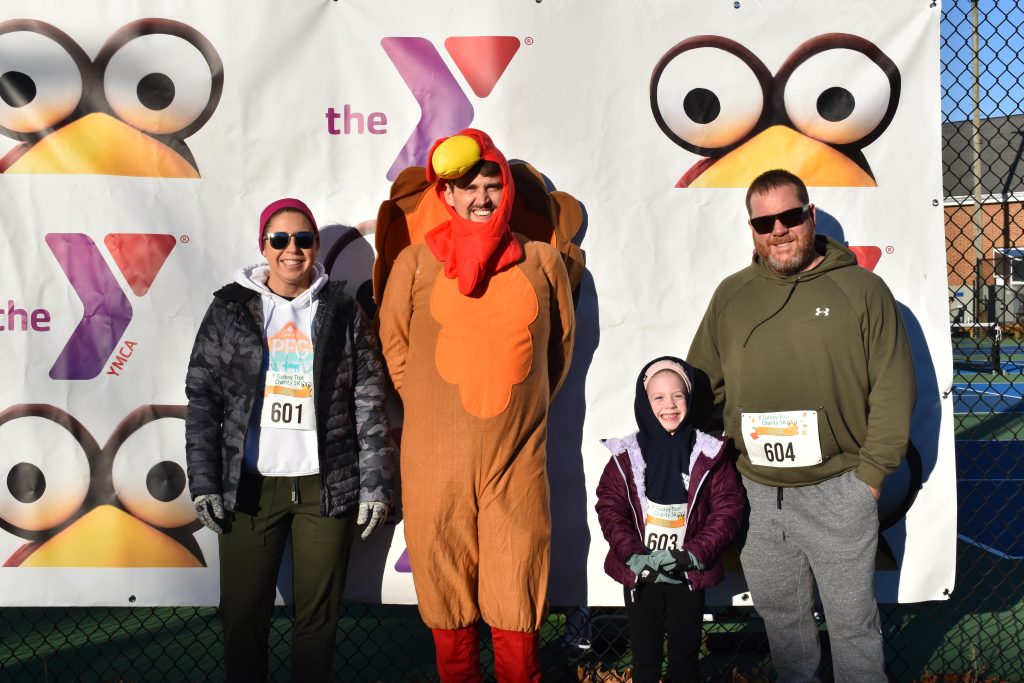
(830, 339)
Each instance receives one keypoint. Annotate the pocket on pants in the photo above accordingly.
(249, 519)
(334, 529)
(245, 530)
(861, 490)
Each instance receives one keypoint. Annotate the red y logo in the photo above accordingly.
(444, 107)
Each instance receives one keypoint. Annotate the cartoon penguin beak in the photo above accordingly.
(109, 537)
(100, 144)
(779, 146)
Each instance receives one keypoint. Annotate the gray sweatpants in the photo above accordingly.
(827, 533)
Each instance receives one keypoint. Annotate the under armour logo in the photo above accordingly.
(820, 311)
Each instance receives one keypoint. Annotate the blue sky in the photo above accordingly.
(1001, 31)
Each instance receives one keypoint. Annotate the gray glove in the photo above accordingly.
(653, 568)
(373, 516)
(210, 511)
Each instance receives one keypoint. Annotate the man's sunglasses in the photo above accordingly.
(791, 218)
(280, 240)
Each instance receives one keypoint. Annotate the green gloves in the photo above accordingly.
(656, 567)
(663, 566)
(637, 563)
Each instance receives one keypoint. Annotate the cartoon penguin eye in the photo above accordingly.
(149, 479)
(41, 81)
(45, 474)
(840, 89)
(160, 76)
(708, 93)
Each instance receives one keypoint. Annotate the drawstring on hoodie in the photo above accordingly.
(268, 320)
(789, 295)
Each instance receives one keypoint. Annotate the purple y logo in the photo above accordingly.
(444, 107)
(107, 309)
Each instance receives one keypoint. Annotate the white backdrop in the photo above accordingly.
(575, 101)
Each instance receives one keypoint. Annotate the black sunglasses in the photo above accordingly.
(280, 240)
(791, 218)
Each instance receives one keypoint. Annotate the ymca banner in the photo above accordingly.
(139, 141)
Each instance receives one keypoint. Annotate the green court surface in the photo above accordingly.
(980, 629)
(989, 426)
(987, 406)
(974, 361)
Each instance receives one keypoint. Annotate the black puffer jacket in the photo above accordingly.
(223, 381)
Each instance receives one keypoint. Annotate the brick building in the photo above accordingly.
(986, 265)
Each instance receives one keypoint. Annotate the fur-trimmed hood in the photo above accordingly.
(705, 444)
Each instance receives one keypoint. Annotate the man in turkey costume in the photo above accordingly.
(477, 323)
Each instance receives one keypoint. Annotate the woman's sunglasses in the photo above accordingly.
(791, 218)
(280, 240)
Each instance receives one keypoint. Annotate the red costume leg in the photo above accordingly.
(458, 655)
(515, 656)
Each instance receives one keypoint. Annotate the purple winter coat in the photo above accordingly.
(716, 505)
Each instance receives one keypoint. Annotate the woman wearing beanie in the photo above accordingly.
(286, 436)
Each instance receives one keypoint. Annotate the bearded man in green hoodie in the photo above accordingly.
(810, 365)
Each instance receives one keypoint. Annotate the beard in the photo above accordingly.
(787, 265)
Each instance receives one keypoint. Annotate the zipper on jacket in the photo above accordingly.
(256, 316)
(715, 462)
(322, 322)
(296, 498)
(328, 301)
(703, 478)
(778, 497)
(629, 498)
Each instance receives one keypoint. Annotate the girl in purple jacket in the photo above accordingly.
(669, 502)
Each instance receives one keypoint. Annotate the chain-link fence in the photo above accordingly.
(977, 635)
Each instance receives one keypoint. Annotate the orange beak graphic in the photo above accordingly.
(100, 144)
(108, 537)
(818, 164)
